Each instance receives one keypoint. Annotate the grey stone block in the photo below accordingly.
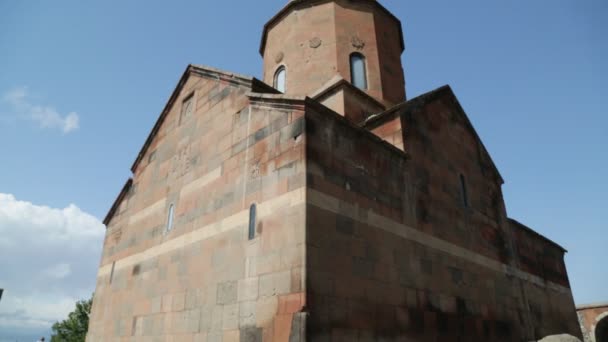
(192, 298)
(345, 225)
(148, 326)
(230, 319)
(247, 314)
(227, 292)
(206, 313)
(248, 289)
(560, 338)
(250, 334)
(193, 321)
(298, 327)
(215, 337)
(275, 284)
(216, 318)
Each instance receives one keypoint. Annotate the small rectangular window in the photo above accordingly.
(170, 218)
(112, 272)
(252, 218)
(463, 192)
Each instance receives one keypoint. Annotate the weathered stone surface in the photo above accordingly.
(560, 338)
(248, 289)
(372, 225)
(227, 292)
(251, 334)
(335, 22)
(275, 284)
(593, 321)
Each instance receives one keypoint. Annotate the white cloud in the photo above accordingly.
(49, 261)
(45, 116)
(16, 95)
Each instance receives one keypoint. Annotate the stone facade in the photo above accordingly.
(321, 214)
(314, 43)
(593, 320)
(204, 280)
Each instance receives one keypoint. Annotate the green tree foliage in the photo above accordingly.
(74, 328)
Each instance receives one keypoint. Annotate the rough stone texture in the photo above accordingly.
(380, 264)
(204, 277)
(593, 320)
(560, 338)
(336, 24)
(370, 226)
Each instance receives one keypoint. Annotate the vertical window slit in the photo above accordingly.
(112, 272)
(252, 218)
(463, 191)
(358, 72)
(170, 218)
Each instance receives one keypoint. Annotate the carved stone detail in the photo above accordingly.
(315, 42)
(279, 57)
(357, 43)
(180, 163)
(255, 170)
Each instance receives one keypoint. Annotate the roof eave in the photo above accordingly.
(376, 120)
(341, 83)
(537, 234)
(292, 4)
(208, 72)
(117, 201)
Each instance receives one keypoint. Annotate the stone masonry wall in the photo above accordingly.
(314, 42)
(394, 254)
(205, 280)
(444, 148)
(538, 256)
(590, 317)
(290, 44)
(550, 306)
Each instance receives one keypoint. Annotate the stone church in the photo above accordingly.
(320, 204)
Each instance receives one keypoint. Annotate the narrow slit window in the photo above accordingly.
(170, 218)
(279, 79)
(358, 72)
(464, 192)
(112, 272)
(252, 218)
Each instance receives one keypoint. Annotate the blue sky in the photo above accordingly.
(82, 83)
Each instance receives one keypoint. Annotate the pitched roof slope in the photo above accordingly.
(208, 72)
(252, 83)
(422, 100)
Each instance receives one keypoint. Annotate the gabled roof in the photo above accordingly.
(252, 83)
(118, 200)
(537, 234)
(208, 72)
(420, 101)
(339, 83)
(293, 4)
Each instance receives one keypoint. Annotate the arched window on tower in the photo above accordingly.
(279, 79)
(358, 72)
